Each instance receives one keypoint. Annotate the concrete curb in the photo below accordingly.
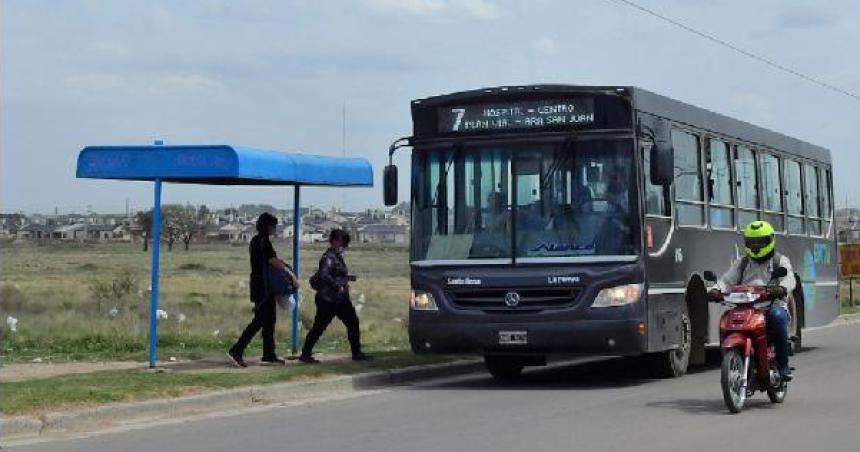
(103, 417)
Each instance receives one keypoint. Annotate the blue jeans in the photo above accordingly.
(777, 330)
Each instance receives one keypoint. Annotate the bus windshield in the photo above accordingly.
(563, 200)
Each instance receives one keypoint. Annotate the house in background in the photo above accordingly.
(35, 231)
(231, 232)
(383, 233)
(70, 232)
(248, 232)
(99, 231)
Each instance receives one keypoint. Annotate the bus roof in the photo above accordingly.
(645, 101)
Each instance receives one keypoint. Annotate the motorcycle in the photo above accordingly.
(748, 359)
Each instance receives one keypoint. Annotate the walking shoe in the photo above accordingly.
(236, 359)
(361, 357)
(785, 373)
(273, 361)
(308, 359)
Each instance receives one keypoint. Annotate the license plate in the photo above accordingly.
(513, 337)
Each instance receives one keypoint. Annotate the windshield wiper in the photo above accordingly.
(559, 162)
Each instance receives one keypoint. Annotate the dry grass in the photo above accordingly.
(60, 294)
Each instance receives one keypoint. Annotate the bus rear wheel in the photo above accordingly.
(674, 363)
(504, 367)
(794, 329)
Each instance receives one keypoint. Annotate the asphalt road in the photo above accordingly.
(598, 406)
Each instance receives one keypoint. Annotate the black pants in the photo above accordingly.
(264, 318)
(326, 312)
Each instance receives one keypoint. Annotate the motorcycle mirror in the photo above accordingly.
(710, 276)
(780, 272)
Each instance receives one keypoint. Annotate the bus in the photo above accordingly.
(555, 219)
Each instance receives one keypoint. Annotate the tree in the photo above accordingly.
(144, 219)
(189, 223)
(171, 217)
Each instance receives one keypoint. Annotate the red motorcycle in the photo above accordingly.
(749, 361)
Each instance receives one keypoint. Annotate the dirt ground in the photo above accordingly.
(32, 371)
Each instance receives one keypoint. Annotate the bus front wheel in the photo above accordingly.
(504, 367)
(674, 363)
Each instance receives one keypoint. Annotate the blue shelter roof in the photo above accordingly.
(220, 164)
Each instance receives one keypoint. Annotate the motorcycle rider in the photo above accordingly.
(755, 268)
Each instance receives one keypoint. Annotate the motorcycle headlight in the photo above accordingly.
(420, 300)
(618, 295)
(741, 297)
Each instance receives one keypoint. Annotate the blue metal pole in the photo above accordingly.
(297, 235)
(153, 303)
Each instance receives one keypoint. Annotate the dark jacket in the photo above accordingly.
(260, 250)
(333, 276)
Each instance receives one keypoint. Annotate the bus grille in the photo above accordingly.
(531, 298)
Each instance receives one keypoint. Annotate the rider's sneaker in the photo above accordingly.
(785, 373)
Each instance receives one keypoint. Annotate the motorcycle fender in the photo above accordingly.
(737, 341)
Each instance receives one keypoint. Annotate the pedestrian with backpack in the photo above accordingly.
(331, 282)
(271, 279)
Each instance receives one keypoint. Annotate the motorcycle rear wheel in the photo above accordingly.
(732, 379)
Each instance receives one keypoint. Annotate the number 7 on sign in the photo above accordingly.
(459, 112)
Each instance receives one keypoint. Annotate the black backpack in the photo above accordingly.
(315, 281)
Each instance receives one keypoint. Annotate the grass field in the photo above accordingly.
(90, 301)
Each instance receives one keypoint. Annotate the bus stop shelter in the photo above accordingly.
(219, 165)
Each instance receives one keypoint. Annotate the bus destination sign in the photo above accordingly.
(533, 114)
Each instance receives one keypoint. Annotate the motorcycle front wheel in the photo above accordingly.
(733, 380)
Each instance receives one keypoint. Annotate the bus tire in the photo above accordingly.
(674, 363)
(504, 367)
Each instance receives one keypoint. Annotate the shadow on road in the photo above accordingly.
(712, 406)
(596, 373)
(600, 373)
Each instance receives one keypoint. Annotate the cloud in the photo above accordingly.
(94, 81)
(545, 45)
(410, 7)
(477, 9)
(178, 83)
(752, 107)
(110, 49)
(806, 19)
(480, 9)
(253, 11)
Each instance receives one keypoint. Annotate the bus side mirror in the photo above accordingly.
(662, 156)
(710, 276)
(389, 185)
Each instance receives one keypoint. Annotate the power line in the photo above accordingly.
(741, 51)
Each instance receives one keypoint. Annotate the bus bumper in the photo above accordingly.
(615, 337)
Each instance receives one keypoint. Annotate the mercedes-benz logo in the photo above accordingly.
(512, 299)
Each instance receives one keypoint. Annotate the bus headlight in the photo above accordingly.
(420, 300)
(618, 295)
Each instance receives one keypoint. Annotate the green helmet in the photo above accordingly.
(759, 239)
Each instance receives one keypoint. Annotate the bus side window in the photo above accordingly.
(689, 195)
(656, 196)
(719, 170)
(771, 190)
(793, 196)
(826, 200)
(811, 194)
(747, 185)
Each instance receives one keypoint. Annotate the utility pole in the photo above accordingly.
(343, 153)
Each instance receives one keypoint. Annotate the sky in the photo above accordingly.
(277, 75)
